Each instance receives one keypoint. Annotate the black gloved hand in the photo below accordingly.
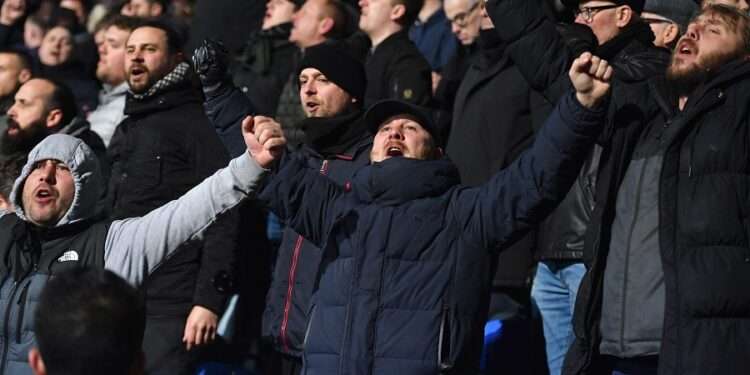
(211, 60)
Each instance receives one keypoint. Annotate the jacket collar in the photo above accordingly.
(633, 55)
(398, 180)
(331, 136)
(174, 96)
(726, 76)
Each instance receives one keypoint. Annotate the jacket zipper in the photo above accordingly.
(6, 326)
(21, 309)
(291, 278)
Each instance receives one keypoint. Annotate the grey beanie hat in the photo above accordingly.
(679, 11)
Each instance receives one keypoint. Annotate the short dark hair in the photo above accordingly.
(124, 22)
(336, 10)
(412, 8)
(10, 169)
(89, 321)
(174, 40)
(62, 98)
(23, 57)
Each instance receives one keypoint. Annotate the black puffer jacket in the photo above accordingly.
(544, 57)
(494, 118)
(703, 231)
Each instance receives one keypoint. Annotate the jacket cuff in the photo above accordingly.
(573, 112)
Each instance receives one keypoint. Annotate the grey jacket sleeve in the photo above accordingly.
(135, 247)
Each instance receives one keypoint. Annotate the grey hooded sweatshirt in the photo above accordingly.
(132, 248)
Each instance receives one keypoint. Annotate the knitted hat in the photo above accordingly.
(338, 66)
(636, 5)
(679, 11)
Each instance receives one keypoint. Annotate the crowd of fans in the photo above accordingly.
(374, 187)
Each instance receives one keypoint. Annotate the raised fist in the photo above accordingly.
(210, 61)
(590, 76)
(264, 139)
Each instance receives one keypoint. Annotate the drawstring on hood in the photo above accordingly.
(84, 167)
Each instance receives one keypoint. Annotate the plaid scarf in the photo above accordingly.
(174, 77)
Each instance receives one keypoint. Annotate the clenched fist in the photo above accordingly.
(590, 76)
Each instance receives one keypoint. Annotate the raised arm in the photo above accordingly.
(225, 105)
(534, 44)
(135, 247)
(518, 197)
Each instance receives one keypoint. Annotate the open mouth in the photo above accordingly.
(686, 48)
(44, 195)
(312, 106)
(136, 71)
(395, 151)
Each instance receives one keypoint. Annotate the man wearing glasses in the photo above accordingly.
(542, 56)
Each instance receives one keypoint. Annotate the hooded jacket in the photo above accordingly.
(132, 248)
(405, 249)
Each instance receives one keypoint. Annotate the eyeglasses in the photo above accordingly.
(462, 19)
(588, 13)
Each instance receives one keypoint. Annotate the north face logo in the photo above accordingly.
(68, 256)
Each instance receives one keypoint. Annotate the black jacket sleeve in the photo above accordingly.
(534, 44)
(226, 112)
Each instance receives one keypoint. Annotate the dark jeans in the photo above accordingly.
(635, 366)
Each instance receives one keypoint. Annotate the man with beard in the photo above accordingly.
(43, 107)
(332, 86)
(542, 55)
(665, 291)
(15, 69)
(163, 148)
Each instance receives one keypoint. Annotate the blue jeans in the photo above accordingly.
(554, 293)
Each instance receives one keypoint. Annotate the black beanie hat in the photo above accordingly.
(338, 66)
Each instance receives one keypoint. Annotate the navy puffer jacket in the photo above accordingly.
(405, 249)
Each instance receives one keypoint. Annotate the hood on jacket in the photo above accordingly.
(83, 165)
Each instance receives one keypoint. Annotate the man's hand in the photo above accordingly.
(200, 327)
(590, 76)
(12, 11)
(264, 139)
(210, 61)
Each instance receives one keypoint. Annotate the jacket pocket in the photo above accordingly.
(144, 173)
(445, 362)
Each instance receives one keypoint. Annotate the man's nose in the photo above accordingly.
(48, 173)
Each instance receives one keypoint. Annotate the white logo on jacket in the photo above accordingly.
(68, 256)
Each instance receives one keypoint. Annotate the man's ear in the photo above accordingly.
(624, 16)
(671, 34)
(24, 75)
(325, 26)
(36, 362)
(54, 119)
(397, 11)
